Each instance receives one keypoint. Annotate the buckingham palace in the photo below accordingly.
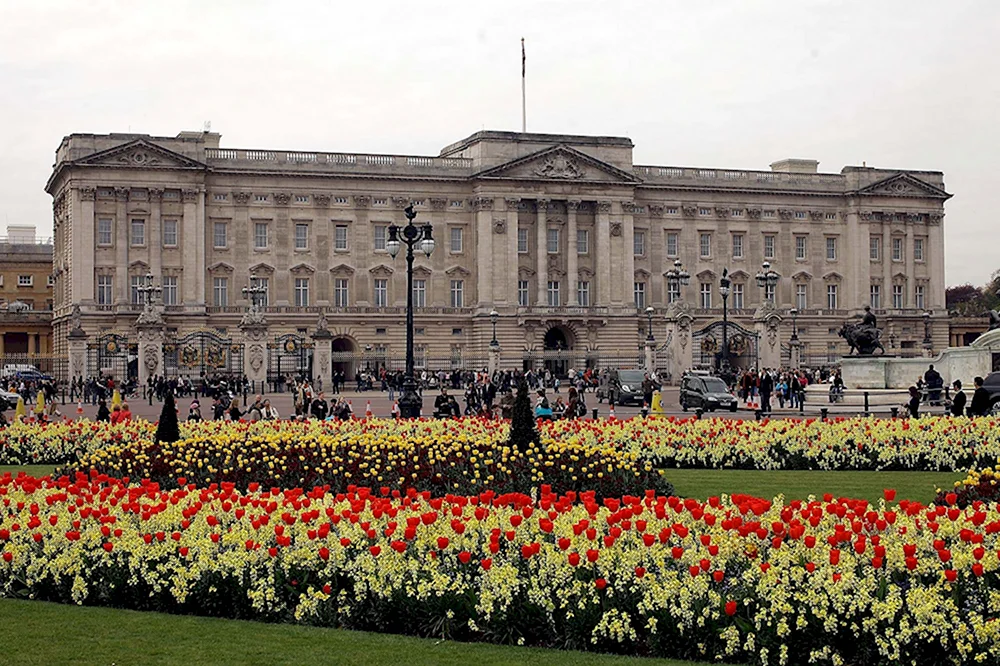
(576, 249)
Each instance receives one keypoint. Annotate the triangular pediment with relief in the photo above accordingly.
(140, 154)
(904, 185)
(560, 163)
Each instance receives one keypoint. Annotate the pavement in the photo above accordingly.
(381, 406)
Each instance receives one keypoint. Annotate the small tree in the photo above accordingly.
(167, 429)
(522, 423)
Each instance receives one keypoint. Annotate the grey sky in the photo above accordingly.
(902, 83)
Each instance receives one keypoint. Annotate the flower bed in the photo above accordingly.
(442, 456)
(978, 486)
(927, 444)
(736, 578)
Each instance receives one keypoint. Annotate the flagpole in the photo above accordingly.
(524, 107)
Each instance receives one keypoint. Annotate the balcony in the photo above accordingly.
(265, 160)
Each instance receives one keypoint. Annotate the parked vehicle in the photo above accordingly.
(8, 400)
(703, 391)
(23, 371)
(992, 384)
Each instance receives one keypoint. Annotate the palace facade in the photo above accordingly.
(564, 236)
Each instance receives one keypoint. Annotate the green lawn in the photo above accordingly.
(34, 632)
(702, 483)
(33, 470)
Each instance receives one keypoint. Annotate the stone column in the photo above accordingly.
(767, 326)
(154, 243)
(512, 204)
(150, 330)
(483, 225)
(121, 290)
(494, 359)
(322, 367)
(193, 234)
(84, 228)
(908, 297)
(541, 247)
(254, 328)
(77, 340)
(650, 356)
(796, 356)
(572, 269)
(628, 255)
(603, 264)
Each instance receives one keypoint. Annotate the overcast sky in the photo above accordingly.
(738, 83)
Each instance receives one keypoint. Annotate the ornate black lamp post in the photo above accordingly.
(411, 235)
(767, 278)
(927, 330)
(494, 316)
(724, 286)
(677, 277)
(147, 292)
(254, 292)
(795, 331)
(649, 323)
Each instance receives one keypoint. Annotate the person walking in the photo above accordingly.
(980, 399)
(957, 406)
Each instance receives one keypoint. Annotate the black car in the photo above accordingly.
(707, 393)
(992, 384)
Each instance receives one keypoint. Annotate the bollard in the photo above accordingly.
(698, 413)
(756, 415)
(595, 413)
(802, 402)
(824, 412)
(867, 409)
(644, 411)
(894, 411)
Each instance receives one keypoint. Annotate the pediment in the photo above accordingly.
(739, 275)
(900, 277)
(141, 154)
(138, 265)
(342, 269)
(706, 274)
(458, 270)
(381, 270)
(524, 272)
(421, 271)
(585, 272)
(802, 275)
(833, 276)
(302, 268)
(221, 266)
(559, 163)
(904, 185)
(641, 273)
(267, 269)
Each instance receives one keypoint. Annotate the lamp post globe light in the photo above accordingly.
(767, 278)
(254, 292)
(795, 331)
(677, 277)
(927, 329)
(412, 236)
(494, 316)
(724, 285)
(649, 323)
(147, 291)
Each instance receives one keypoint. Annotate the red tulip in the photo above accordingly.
(464, 557)
(8, 556)
(442, 542)
(592, 555)
(730, 608)
(108, 546)
(640, 572)
(375, 550)
(951, 575)
(486, 564)
(890, 494)
(574, 559)
(977, 569)
(600, 583)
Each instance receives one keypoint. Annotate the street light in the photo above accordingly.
(412, 236)
(724, 284)
(676, 277)
(927, 329)
(649, 323)
(254, 292)
(494, 315)
(795, 331)
(147, 291)
(767, 278)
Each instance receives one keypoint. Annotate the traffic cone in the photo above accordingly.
(395, 410)
(612, 414)
(368, 409)
(79, 408)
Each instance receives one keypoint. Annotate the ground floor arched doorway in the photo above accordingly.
(345, 354)
(558, 343)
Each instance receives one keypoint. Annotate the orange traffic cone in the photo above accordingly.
(368, 409)
(612, 414)
(79, 408)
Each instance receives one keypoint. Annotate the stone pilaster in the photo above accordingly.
(650, 356)
(603, 264)
(322, 366)
(121, 285)
(572, 267)
(767, 325)
(254, 328)
(494, 358)
(77, 340)
(678, 330)
(512, 206)
(541, 246)
(154, 243)
(483, 218)
(628, 255)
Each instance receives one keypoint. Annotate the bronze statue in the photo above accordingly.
(864, 337)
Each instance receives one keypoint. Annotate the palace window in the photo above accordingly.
(705, 245)
(301, 236)
(456, 239)
(639, 243)
(169, 233)
(918, 297)
(769, 293)
(800, 247)
(104, 231)
(220, 292)
(831, 297)
(135, 281)
(673, 292)
(170, 290)
(800, 215)
(831, 249)
(25, 280)
(704, 211)
(671, 244)
(138, 233)
(301, 292)
(553, 293)
(260, 235)
(874, 248)
(457, 293)
(340, 237)
(737, 246)
(552, 241)
(381, 292)
(301, 198)
(897, 249)
(262, 298)
(876, 296)
(706, 295)
(522, 240)
(768, 246)
(918, 249)
(583, 293)
(522, 293)
(582, 241)
(104, 290)
(801, 301)
(897, 296)
(380, 233)
(340, 293)
(219, 234)
(639, 294)
(737, 295)
(419, 293)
